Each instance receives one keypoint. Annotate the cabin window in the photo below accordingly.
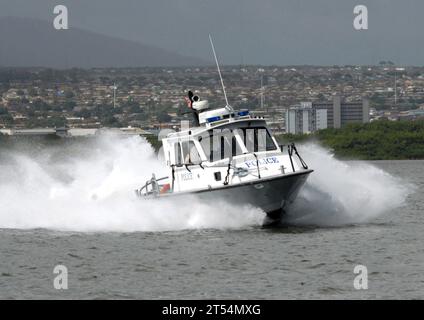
(257, 139)
(219, 145)
(178, 154)
(191, 155)
(236, 147)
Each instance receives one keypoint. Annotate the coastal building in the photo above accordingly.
(312, 116)
(35, 132)
(29, 132)
(74, 132)
(299, 119)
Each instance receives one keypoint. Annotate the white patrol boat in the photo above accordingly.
(230, 156)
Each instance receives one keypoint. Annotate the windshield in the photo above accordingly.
(257, 139)
(220, 144)
(190, 153)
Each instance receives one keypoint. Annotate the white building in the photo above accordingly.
(299, 119)
(321, 119)
(309, 117)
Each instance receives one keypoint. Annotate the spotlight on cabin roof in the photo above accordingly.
(200, 105)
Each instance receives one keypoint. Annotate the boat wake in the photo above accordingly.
(87, 186)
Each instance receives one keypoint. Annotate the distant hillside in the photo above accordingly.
(34, 43)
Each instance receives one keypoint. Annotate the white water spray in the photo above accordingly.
(89, 187)
(93, 190)
(340, 192)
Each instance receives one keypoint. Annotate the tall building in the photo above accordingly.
(309, 117)
(299, 119)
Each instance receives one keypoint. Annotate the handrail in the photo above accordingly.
(149, 182)
(173, 176)
(290, 152)
(257, 165)
(304, 165)
(292, 148)
(227, 177)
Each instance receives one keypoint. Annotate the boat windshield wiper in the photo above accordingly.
(200, 164)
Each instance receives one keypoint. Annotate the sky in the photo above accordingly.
(266, 32)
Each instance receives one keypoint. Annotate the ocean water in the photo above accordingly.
(72, 203)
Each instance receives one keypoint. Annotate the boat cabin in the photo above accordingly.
(226, 148)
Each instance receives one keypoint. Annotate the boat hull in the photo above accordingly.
(272, 195)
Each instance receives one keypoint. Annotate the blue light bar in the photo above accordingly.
(243, 113)
(213, 119)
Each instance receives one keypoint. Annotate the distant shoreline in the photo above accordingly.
(378, 140)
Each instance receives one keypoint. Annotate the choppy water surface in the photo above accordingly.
(72, 204)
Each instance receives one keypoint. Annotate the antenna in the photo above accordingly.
(220, 76)
(114, 87)
(395, 88)
(262, 92)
